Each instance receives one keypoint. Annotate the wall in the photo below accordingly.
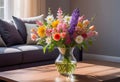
(107, 22)
(55, 4)
(42, 6)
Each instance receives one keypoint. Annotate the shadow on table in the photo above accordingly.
(3, 79)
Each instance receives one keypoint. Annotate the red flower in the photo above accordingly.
(68, 40)
(84, 35)
(56, 36)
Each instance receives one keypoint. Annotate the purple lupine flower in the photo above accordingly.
(74, 21)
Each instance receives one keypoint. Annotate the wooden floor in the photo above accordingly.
(102, 71)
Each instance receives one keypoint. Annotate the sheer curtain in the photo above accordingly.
(29, 8)
(24, 8)
(8, 9)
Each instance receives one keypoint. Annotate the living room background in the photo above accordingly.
(106, 21)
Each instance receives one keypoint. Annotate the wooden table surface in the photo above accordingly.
(86, 71)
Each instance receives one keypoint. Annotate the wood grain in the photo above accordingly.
(86, 71)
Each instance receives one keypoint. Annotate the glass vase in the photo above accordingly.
(66, 62)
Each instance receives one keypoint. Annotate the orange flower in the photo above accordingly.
(56, 36)
(92, 28)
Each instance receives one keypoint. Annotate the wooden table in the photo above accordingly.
(87, 71)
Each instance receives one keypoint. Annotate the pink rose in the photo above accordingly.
(59, 27)
(63, 34)
(39, 23)
(81, 18)
(48, 32)
(92, 33)
(64, 27)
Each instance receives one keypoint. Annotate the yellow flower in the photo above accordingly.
(41, 31)
(80, 25)
(55, 23)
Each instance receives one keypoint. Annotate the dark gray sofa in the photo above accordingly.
(23, 54)
(20, 56)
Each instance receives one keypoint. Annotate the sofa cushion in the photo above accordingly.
(2, 43)
(20, 27)
(34, 53)
(28, 28)
(10, 56)
(28, 47)
(19, 23)
(9, 33)
(4, 50)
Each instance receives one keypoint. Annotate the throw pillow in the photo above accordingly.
(20, 27)
(32, 20)
(9, 33)
(28, 28)
(2, 44)
(20, 24)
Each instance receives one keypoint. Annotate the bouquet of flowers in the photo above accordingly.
(64, 31)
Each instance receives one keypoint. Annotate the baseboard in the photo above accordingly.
(100, 57)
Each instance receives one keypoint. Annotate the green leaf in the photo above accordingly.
(93, 18)
(44, 48)
(45, 23)
(41, 42)
(90, 42)
(79, 46)
(51, 47)
(84, 45)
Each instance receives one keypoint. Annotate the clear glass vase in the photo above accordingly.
(66, 62)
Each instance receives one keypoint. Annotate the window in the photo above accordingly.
(6, 9)
(1, 9)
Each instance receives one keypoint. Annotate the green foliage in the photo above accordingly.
(84, 45)
(51, 47)
(90, 42)
(41, 42)
(45, 23)
(44, 48)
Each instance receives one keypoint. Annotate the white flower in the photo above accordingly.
(79, 39)
(48, 40)
(67, 19)
(49, 19)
